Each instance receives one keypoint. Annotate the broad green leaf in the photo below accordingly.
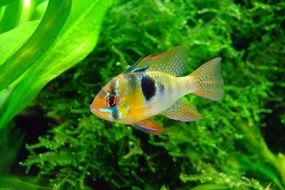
(9, 148)
(2, 10)
(6, 2)
(16, 12)
(10, 17)
(4, 94)
(40, 10)
(12, 40)
(78, 38)
(210, 187)
(27, 10)
(281, 166)
(48, 30)
(14, 183)
(9, 43)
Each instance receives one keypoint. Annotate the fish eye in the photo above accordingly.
(112, 101)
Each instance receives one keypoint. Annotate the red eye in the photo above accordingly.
(112, 101)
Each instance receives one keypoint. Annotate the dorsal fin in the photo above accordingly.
(172, 62)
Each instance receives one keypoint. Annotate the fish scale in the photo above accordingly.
(161, 100)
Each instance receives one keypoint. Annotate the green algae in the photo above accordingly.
(234, 146)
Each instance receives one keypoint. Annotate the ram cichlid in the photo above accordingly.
(154, 86)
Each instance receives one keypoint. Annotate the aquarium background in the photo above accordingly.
(55, 56)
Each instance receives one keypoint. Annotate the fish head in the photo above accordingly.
(110, 103)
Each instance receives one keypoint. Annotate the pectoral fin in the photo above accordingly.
(182, 111)
(149, 126)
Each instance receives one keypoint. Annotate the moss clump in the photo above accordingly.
(225, 150)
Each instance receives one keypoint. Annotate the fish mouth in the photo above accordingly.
(92, 109)
(96, 112)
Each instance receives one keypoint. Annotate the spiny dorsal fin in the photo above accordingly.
(172, 62)
(182, 111)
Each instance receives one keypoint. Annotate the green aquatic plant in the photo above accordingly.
(227, 149)
(13, 183)
(234, 146)
(39, 40)
(33, 52)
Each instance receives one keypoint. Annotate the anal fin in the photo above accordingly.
(182, 111)
(149, 126)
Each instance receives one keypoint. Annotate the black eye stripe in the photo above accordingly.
(115, 113)
(112, 87)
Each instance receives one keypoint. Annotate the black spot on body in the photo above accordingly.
(148, 87)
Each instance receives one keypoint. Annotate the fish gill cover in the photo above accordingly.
(239, 143)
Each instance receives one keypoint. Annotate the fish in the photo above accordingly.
(154, 85)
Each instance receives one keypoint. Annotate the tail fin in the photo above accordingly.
(206, 81)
